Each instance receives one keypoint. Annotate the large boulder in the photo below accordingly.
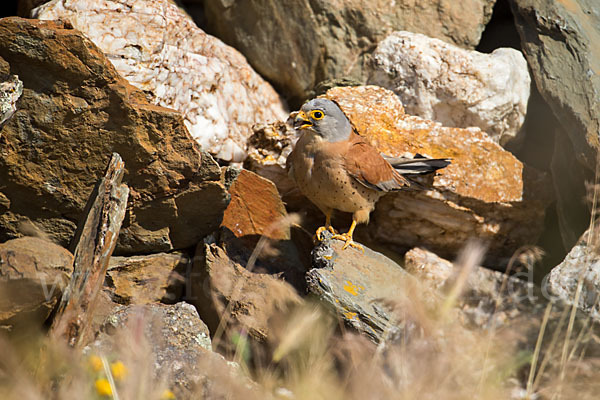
(158, 48)
(33, 274)
(456, 87)
(74, 112)
(299, 44)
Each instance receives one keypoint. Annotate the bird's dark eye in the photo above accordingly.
(316, 114)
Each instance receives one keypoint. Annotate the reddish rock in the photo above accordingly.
(33, 274)
(255, 208)
(147, 279)
(74, 112)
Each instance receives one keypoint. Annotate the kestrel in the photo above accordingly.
(337, 169)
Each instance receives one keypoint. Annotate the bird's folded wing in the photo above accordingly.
(368, 167)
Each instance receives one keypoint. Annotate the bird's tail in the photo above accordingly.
(419, 165)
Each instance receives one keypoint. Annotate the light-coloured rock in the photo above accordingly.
(159, 49)
(298, 44)
(580, 267)
(11, 89)
(74, 112)
(33, 274)
(147, 279)
(456, 87)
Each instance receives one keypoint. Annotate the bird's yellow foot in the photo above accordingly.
(348, 241)
(323, 229)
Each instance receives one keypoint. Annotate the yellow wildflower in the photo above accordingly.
(95, 363)
(103, 387)
(167, 395)
(118, 370)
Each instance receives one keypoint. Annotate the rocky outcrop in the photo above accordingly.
(579, 272)
(147, 279)
(33, 274)
(159, 49)
(559, 40)
(74, 112)
(234, 298)
(456, 87)
(296, 45)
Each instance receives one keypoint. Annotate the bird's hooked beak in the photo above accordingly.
(301, 121)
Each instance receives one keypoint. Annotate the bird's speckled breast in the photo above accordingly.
(318, 168)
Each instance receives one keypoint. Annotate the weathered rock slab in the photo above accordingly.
(33, 274)
(456, 87)
(11, 89)
(360, 288)
(159, 49)
(74, 112)
(296, 45)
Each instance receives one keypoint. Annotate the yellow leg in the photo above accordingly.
(327, 227)
(347, 237)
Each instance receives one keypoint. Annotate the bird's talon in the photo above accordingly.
(323, 229)
(348, 242)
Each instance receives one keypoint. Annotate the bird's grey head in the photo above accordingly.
(325, 118)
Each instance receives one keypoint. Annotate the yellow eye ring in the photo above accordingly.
(317, 114)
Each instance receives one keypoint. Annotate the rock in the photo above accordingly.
(580, 267)
(297, 45)
(489, 298)
(158, 48)
(33, 275)
(485, 193)
(172, 342)
(456, 87)
(361, 288)
(235, 297)
(74, 112)
(147, 279)
(559, 41)
(11, 89)
(255, 208)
